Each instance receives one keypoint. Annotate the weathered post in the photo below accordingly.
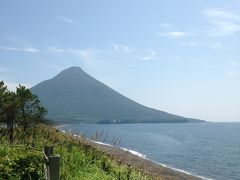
(54, 167)
(52, 164)
(48, 150)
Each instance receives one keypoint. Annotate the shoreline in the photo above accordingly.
(140, 162)
(155, 169)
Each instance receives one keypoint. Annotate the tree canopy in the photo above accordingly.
(20, 108)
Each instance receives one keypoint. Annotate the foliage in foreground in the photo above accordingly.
(20, 163)
(21, 111)
(79, 160)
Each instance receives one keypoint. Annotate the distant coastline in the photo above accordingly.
(87, 121)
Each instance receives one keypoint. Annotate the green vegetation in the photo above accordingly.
(21, 109)
(79, 160)
(23, 138)
(20, 163)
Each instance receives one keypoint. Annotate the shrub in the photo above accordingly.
(20, 163)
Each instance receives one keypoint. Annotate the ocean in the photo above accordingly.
(209, 150)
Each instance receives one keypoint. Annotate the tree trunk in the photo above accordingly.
(34, 132)
(24, 120)
(10, 123)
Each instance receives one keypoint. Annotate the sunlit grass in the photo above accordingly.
(79, 160)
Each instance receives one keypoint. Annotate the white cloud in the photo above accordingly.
(165, 25)
(122, 48)
(235, 69)
(66, 19)
(232, 73)
(172, 34)
(235, 63)
(84, 54)
(204, 44)
(176, 33)
(174, 58)
(220, 14)
(151, 54)
(222, 22)
(56, 49)
(25, 49)
(219, 22)
(190, 43)
(29, 49)
(9, 48)
(116, 51)
(217, 45)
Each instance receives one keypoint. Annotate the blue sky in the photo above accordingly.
(178, 56)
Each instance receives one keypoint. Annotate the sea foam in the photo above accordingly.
(142, 156)
(134, 153)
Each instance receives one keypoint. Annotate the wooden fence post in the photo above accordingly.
(48, 150)
(54, 167)
(52, 164)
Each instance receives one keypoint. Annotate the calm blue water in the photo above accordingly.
(211, 150)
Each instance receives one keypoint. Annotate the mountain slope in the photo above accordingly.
(75, 95)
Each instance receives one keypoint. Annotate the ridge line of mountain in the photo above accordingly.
(75, 96)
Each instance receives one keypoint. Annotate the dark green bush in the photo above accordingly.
(20, 163)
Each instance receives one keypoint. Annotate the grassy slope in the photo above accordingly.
(79, 160)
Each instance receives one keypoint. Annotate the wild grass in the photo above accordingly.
(79, 160)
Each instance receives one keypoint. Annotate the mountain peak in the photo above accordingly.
(75, 95)
(72, 69)
(71, 72)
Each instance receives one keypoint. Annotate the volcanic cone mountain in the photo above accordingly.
(75, 96)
